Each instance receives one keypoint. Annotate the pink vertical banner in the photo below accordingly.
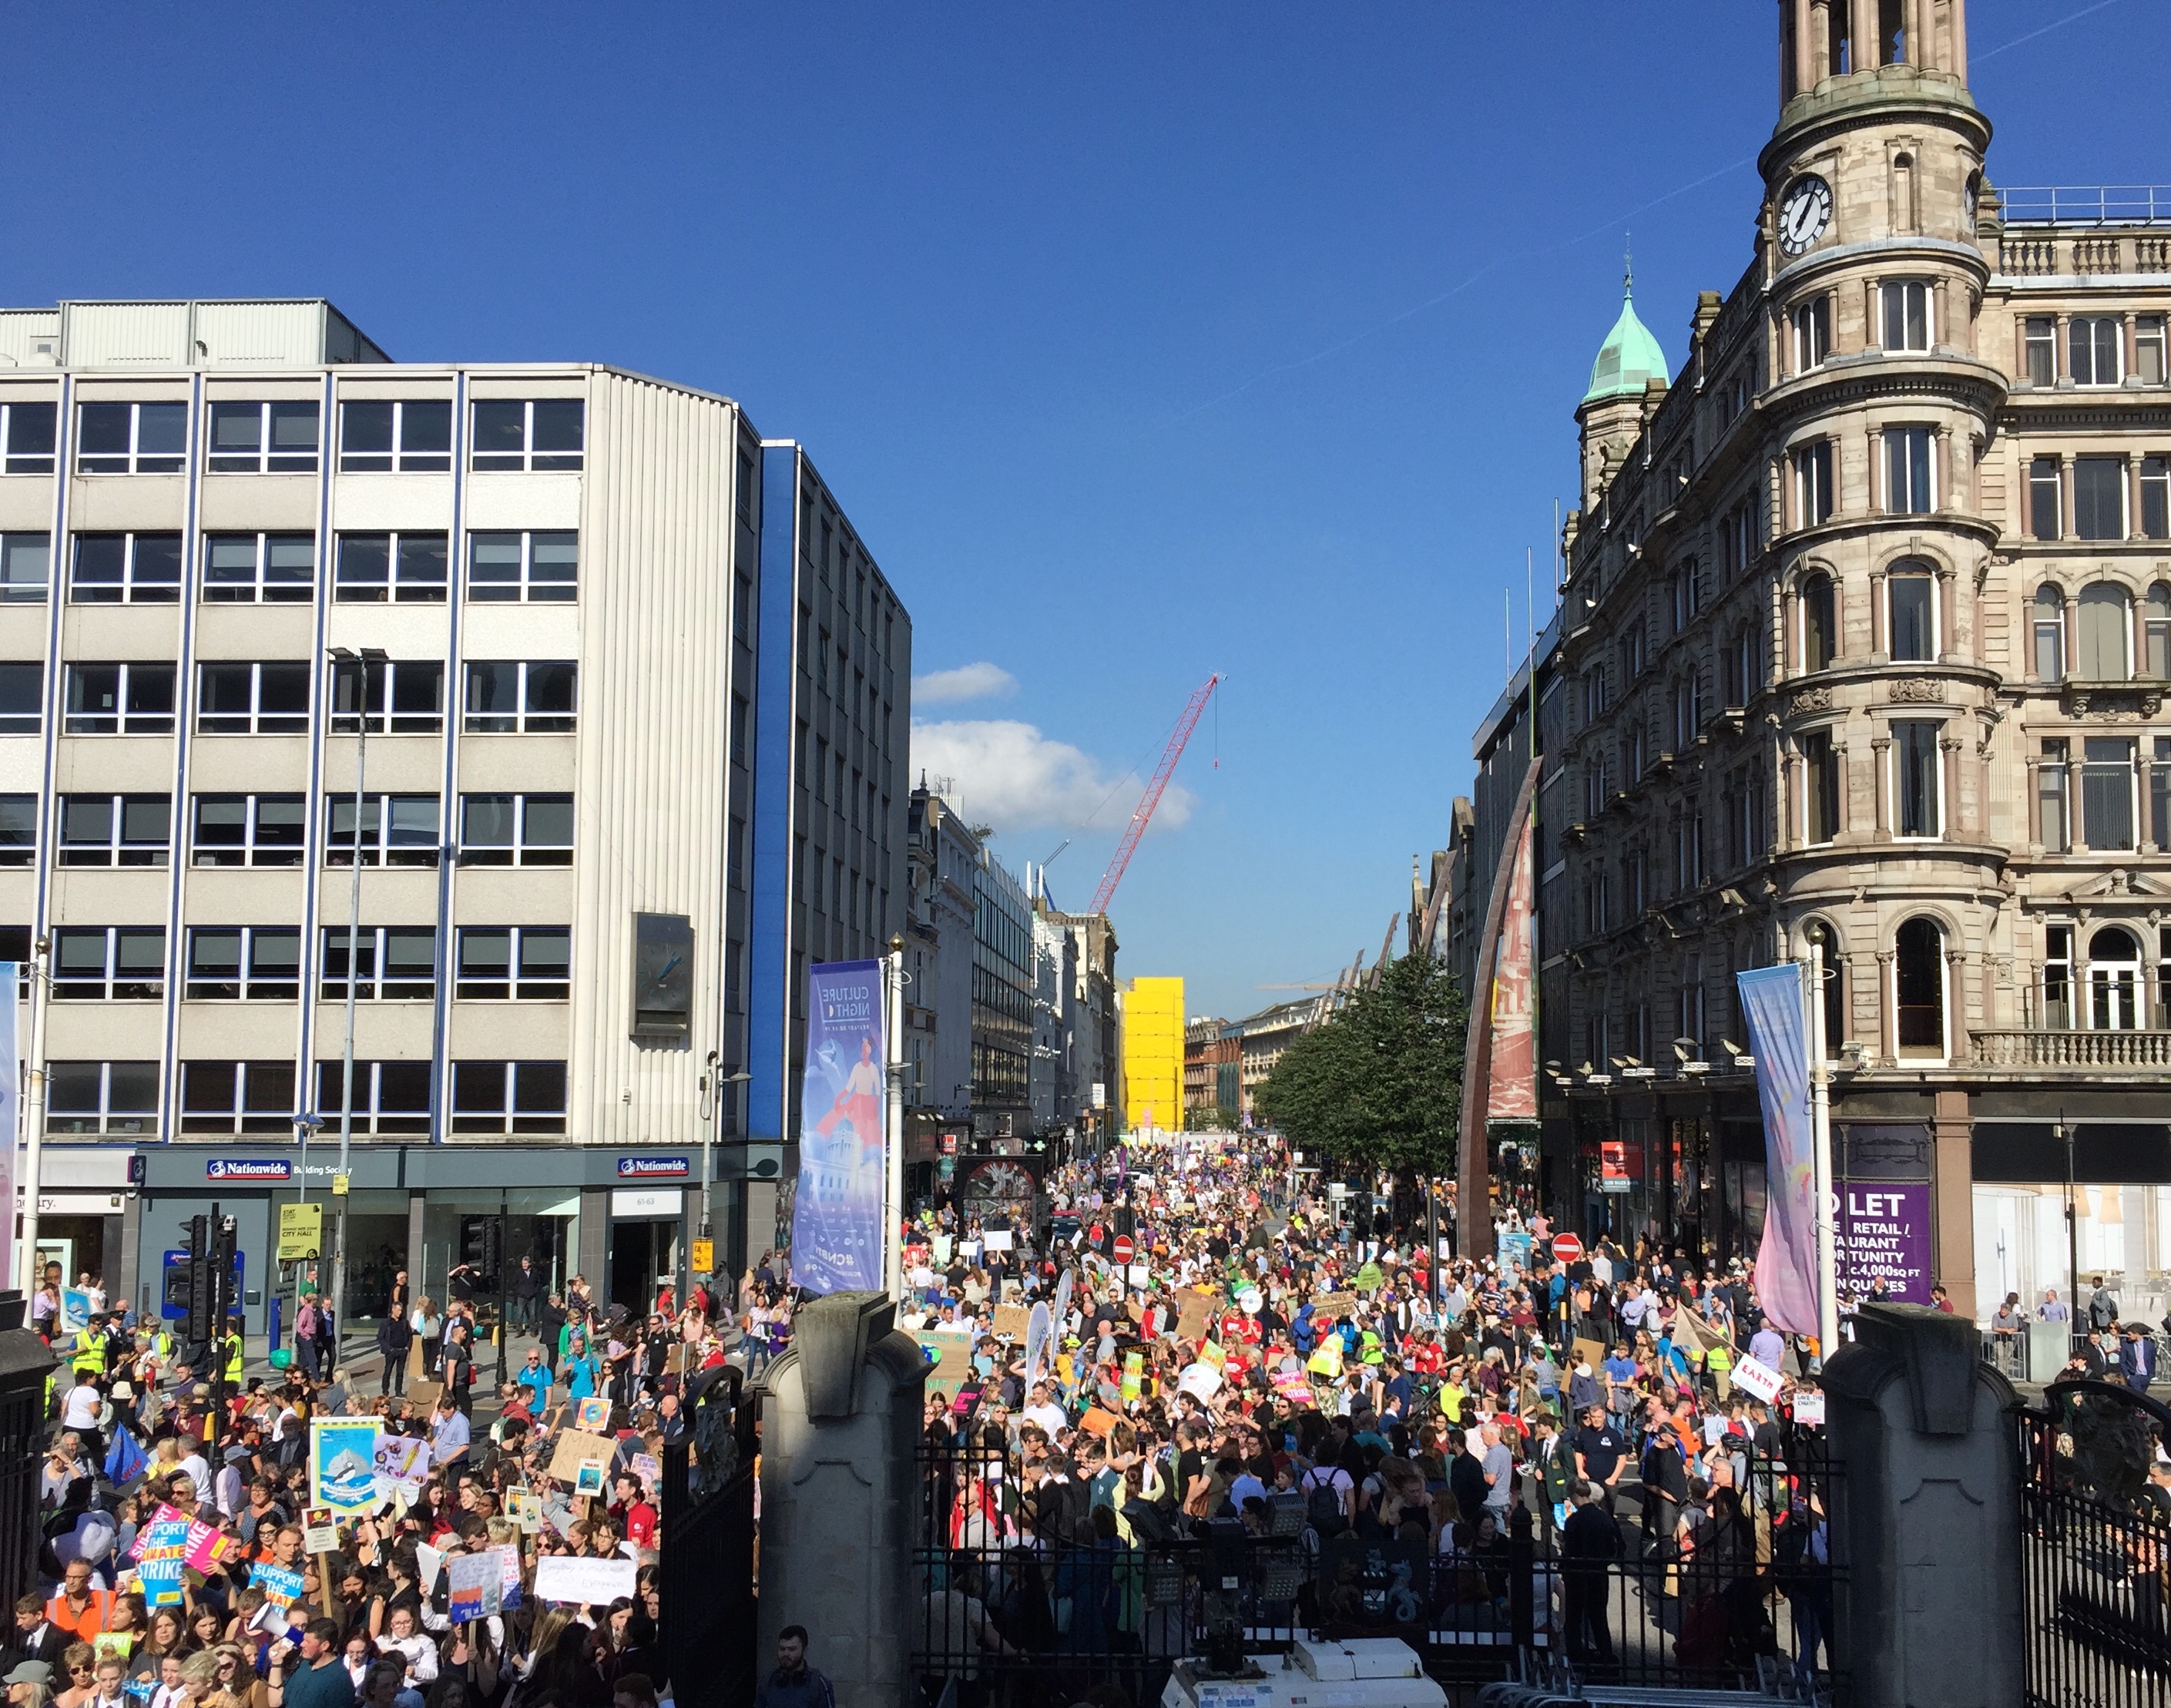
(1512, 1084)
(1772, 1005)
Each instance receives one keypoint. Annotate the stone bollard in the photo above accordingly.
(839, 1497)
(1926, 1529)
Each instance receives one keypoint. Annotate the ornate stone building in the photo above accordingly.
(1866, 629)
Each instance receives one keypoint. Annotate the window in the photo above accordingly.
(1632, 654)
(388, 1096)
(2095, 348)
(2099, 498)
(248, 830)
(1635, 884)
(2148, 351)
(263, 438)
(2114, 981)
(1596, 909)
(1688, 853)
(253, 699)
(247, 569)
(1912, 599)
(1812, 333)
(91, 1097)
(2058, 977)
(1688, 714)
(738, 729)
(545, 433)
(1740, 676)
(19, 831)
(1746, 821)
(1631, 753)
(2050, 621)
(1916, 794)
(1594, 694)
(1820, 623)
(393, 963)
(25, 568)
(1813, 484)
(397, 830)
(138, 568)
(2155, 500)
(2159, 797)
(413, 436)
(2158, 624)
(1594, 788)
(404, 697)
(2040, 344)
(115, 830)
(530, 566)
(2044, 507)
(132, 438)
(1738, 542)
(508, 1097)
(407, 568)
(244, 963)
(1905, 313)
(2107, 789)
(1909, 488)
(527, 830)
(1687, 598)
(1919, 987)
(2106, 634)
(27, 434)
(1838, 1024)
(527, 698)
(1820, 786)
(237, 1097)
(120, 700)
(22, 698)
(2052, 818)
(521, 963)
(120, 963)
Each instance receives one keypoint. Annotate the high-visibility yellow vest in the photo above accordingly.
(234, 1360)
(89, 1353)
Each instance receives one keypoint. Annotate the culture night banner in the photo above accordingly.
(837, 1212)
(1772, 1005)
(1512, 1090)
(9, 1112)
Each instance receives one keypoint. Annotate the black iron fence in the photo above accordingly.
(2095, 1547)
(1038, 1584)
(707, 1556)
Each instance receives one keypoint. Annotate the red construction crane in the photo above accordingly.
(1143, 812)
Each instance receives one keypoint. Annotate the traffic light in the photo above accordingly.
(493, 1250)
(225, 1235)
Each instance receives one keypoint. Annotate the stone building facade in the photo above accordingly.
(1867, 621)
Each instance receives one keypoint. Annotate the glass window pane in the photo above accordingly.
(290, 560)
(31, 432)
(139, 951)
(147, 819)
(494, 560)
(269, 1087)
(500, 429)
(235, 429)
(19, 821)
(101, 561)
(365, 562)
(479, 1087)
(486, 952)
(222, 820)
(207, 1087)
(553, 564)
(413, 821)
(421, 559)
(545, 954)
(131, 1088)
(294, 427)
(557, 424)
(158, 561)
(426, 426)
(25, 564)
(87, 819)
(365, 427)
(402, 1085)
(230, 559)
(214, 952)
(486, 819)
(540, 1087)
(161, 429)
(418, 688)
(551, 687)
(1912, 620)
(549, 821)
(275, 953)
(74, 1088)
(150, 689)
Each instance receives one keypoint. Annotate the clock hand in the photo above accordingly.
(663, 972)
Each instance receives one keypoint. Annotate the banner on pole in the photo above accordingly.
(1512, 1087)
(1773, 1006)
(837, 1212)
(10, 1112)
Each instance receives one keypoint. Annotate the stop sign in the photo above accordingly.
(1123, 1248)
(1566, 1248)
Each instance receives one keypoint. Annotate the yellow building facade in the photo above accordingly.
(1153, 1054)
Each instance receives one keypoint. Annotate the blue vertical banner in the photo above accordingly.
(837, 1212)
(1777, 1017)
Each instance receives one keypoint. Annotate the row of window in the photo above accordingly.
(411, 435)
(268, 830)
(2095, 347)
(531, 566)
(262, 963)
(399, 697)
(2094, 799)
(120, 1098)
(2101, 500)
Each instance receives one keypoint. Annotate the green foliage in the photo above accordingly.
(1379, 1084)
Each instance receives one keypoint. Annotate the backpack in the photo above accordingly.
(1323, 1504)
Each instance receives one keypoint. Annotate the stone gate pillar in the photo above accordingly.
(839, 1497)
(1927, 1518)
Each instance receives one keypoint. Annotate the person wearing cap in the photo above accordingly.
(29, 1684)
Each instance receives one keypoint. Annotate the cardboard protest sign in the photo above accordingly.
(1759, 1379)
(343, 1464)
(525, 1508)
(575, 1448)
(281, 1588)
(592, 1414)
(475, 1586)
(1095, 1421)
(508, 1587)
(1011, 1321)
(1330, 1306)
(566, 1577)
(402, 1463)
(1590, 1352)
(1194, 1311)
(949, 1356)
(430, 1561)
(160, 1554)
(1809, 1406)
(320, 1532)
(1201, 1379)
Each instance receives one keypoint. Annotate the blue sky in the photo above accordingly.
(1140, 341)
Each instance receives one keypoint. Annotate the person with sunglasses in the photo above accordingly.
(80, 1667)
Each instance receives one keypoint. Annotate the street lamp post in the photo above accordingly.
(711, 1088)
(37, 969)
(360, 660)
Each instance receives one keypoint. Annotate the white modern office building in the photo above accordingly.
(623, 703)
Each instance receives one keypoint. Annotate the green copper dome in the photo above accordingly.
(1629, 357)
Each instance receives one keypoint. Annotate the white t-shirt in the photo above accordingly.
(198, 1470)
(82, 1408)
(1050, 1416)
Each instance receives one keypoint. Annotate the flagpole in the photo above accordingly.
(1827, 1212)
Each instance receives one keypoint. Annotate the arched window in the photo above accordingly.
(1918, 979)
(2049, 634)
(1820, 623)
(1838, 1023)
(2115, 982)
(2159, 631)
(2102, 649)
(1911, 595)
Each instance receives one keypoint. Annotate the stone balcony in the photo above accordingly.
(2066, 232)
(2074, 1052)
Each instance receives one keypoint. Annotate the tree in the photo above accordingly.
(1379, 1084)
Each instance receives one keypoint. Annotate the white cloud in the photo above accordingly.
(1008, 774)
(968, 682)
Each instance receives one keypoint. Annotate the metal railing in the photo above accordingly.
(2097, 204)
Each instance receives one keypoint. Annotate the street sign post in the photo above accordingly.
(1566, 1248)
(1123, 1248)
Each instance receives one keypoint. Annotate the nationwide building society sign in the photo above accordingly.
(654, 1168)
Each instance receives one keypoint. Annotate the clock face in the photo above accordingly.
(1804, 213)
